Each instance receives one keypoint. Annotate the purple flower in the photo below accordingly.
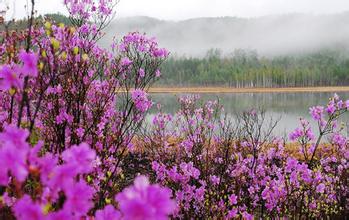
(79, 198)
(8, 78)
(13, 154)
(15, 136)
(320, 188)
(141, 72)
(215, 180)
(78, 160)
(309, 133)
(108, 213)
(160, 52)
(233, 199)
(61, 214)
(145, 201)
(297, 133)
(61, 177)
(232, 213)
(339, 139)
(125, 61)
(291, 164)
(140, 99)
(316, 112)
(188, 146)
(30, 61)
(26, 209)
(312, 205)
(81, 156)
(331, 108)
(247, 216)
(80, 132)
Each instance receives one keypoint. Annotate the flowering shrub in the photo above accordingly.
(67, 118)
(41, 187)
(218, 168)
(71, 143)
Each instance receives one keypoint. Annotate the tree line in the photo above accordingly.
(244, 68)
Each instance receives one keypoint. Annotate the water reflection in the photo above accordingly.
(289, 107)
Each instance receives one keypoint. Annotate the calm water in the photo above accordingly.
(289, 107)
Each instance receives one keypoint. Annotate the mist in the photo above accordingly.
(267, 35)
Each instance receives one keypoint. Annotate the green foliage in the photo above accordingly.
(59, 18)
(22, 24)
(246, 69)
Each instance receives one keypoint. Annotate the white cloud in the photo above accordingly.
(183, 9)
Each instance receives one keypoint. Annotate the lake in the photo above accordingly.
(289, 107)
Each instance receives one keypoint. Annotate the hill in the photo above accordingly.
(269, 35)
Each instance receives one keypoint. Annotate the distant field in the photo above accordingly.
(246, 90)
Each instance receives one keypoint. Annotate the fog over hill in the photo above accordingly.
(268, 35)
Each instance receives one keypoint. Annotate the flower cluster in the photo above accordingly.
(53, 180)
(84, 10)
(68, 116)
(71, 146)
(140, 100)
(218, 169)
(61, 189)
(144, 201)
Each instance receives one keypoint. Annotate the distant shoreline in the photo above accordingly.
(247, 90)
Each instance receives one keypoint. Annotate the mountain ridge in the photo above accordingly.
(268, 35)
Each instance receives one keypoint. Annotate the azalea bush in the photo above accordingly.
(73, 143)
(223, 168)
(69, 112)
(42, 185)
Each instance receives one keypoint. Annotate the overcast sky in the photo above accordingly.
(184, 9)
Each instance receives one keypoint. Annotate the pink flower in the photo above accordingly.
(247, 216)
(233, 199)
(160, 52)
(312, 205)
(232, 213)
(13, 154)
(125, 61)
(81, 156)
(141, 72)
(297, 133)
(140, 99)
(78, 160)
(188, 146)
(14, 135)
(291, 164)
(214, 179)
(108, 213)
(309, 133)
(316, 112)
(331, 108)
(8, 78)
(61, 214)
(339, 139)
(62, 177)
(320, 188)
(26, 209)
(145, 201)
(30, 61)
(80, 132)
(79, 198)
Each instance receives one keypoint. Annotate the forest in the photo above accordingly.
(245, 68)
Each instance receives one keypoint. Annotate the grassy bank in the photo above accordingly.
(247, 90)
